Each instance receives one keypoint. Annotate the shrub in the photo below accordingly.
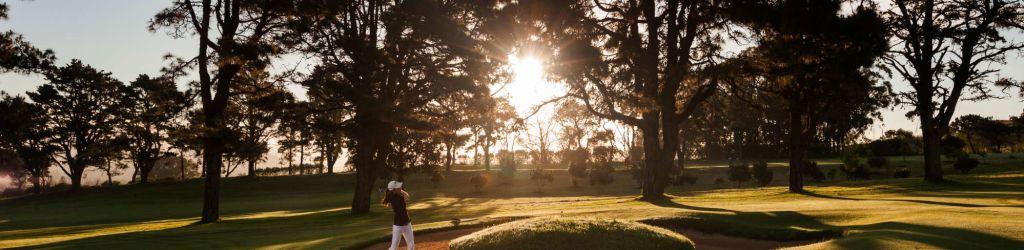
(853, 169)
(812, 170)
(577, 171)
(507, 163)
(719, 181)
(902, 172)
(952, 146)
(541, 178)
(832, 173)
(480, 180)
(684, 179)
(965, 164)
(763, 174)
(878, 162)
(572, 233)
(739, 173)
(601, 174)
(437, 177)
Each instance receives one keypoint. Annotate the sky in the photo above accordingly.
(112, 35)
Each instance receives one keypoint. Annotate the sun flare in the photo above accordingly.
(527, 70)
(529, 86)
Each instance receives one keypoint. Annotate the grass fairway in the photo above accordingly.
(971, 211)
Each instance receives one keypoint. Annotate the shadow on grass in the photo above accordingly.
(318, 229)
(669, 203)
(928, 202)
(795, 226)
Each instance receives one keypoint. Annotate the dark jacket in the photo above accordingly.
(399, 206)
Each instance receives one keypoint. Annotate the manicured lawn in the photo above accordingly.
(971, 211)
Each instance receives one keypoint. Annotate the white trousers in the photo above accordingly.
(397, 232)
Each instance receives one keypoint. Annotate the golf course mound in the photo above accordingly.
(564, 233)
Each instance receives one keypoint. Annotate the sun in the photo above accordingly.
(529, 86)
(527, 70)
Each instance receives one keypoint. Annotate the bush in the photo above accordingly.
(902, 172)
(952, 146)
(577, 171)
(718, 182)
(684, 179)
(965, 164)
(507, 163)
(812, 170)
(541, 178)
(601, 175)
(853, 169)
(437, 177)
(566, 233)
(763, 174)
(739, 173)
(878, 162)
(480, 180)
(832, 173)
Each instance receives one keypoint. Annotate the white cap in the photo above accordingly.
(394, 185)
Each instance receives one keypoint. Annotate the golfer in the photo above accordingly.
(396, 198)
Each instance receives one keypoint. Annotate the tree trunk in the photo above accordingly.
(487, 151)
(302, 159)
(365, 179)
(366, 175)
(449, 156)
(932, 153)
(213, 154)
(181, 162)
(796, 151)
(37, 186)
(211, 193)
(76, 176)
(144, 172)
(650, 189)
(252, 168)
(332, 158)
(135, 173)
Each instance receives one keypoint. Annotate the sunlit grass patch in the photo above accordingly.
(34, 237)
(573, 233)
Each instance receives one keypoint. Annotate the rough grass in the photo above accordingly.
(977, 211)
(569, 233)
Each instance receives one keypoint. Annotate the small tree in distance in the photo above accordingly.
(739, 173)
(480, 180)
(763, 174)
(541, 178)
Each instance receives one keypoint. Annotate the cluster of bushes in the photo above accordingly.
(743, 172)
(965, 164)
(739, 173)
(601, 174)
(577, 172)
(480, 180)
(508, 165)
(762, 173)
(541, 178)
(684, 179)
(759, 172)
(853, 169)
(813, 171)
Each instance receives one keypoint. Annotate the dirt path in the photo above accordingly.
(430, 241)
(704, 241)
